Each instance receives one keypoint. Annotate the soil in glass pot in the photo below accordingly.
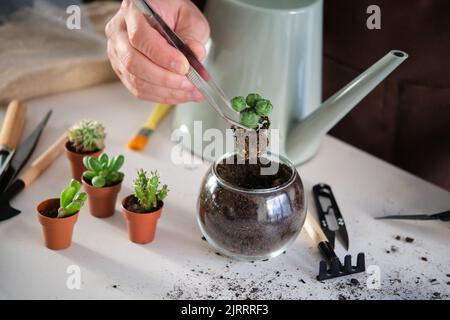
(248, 215)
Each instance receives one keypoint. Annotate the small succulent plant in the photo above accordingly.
(104, 171)
(147, 190)
(87, 136)
(253, 109)
(71, 200)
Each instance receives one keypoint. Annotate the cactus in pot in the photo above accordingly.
(143, 208)
(86, 137)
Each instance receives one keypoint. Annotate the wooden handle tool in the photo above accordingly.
(313, 229)
(13, 124)
(44, 160)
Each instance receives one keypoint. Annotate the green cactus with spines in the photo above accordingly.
(104, 171)
(147, 190)
(87, 136)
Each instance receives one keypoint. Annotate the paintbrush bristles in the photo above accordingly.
(138, 143)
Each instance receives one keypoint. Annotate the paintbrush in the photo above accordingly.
(139, 141)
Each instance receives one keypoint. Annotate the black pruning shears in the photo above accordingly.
(443, 216)
(327, 206)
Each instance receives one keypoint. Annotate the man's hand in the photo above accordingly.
(147, 65)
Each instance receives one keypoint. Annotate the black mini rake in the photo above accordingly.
(331, 267)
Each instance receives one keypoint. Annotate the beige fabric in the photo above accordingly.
(40, 56)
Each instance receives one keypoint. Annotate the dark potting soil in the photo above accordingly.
(132, 205)
(251, 224)
(248, 175)
(50, 213)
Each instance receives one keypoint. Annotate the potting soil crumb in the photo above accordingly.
(273, 280)
(409, 240)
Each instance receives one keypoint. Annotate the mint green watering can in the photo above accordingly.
(275, 48)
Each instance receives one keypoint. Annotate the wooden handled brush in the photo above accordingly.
(139, 141)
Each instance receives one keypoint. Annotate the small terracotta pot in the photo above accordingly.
(102, 201)
(141, 226)
(57, 231)
(76, 160)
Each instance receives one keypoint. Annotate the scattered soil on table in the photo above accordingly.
(132, 205)
(409, 240)
(201, 282)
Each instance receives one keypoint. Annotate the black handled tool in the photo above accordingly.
(11, 133)
(26, 178)
(331, 267)
(22, 154)
(443, 216)
(326, 205)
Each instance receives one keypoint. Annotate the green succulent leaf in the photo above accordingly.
(70, 200)
(238, 104)
(103, 158)
(98, 182)
(249, 119)
(75, 205)
(94, 164)
(89, 175)
(86, 162)
(252, 99)
(117, 163)
(263, 107)
(67, 196)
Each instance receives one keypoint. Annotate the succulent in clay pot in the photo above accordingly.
(142, 209)
(85, 138)
(59, 215)
(252, 203)
(102, 181)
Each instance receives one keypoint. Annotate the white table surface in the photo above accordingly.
(179, 264)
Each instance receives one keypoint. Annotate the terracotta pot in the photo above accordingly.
(57, 231)
(102, 201)
(76, 160)
(141, 226)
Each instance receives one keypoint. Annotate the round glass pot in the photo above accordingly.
(247, 214)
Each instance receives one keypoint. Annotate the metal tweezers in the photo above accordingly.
(198, 74)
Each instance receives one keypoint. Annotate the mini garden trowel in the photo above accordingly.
(11, 133)
(25, 179)
(22, 154)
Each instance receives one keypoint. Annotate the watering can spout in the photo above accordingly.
(304, 137)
